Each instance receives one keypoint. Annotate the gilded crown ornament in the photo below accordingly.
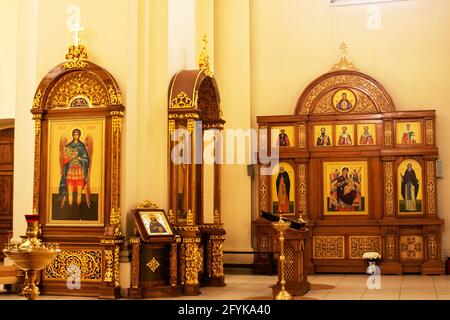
(147, 204)
(182, 100)
(344, 63)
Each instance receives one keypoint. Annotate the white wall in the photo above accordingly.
(8, 61)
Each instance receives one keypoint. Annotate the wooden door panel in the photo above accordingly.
(7, 153)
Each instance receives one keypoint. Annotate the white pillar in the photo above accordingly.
(182, 37)
(24, 128)
(8, 62)
(232, 68)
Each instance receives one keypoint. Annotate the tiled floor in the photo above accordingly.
(347, 287)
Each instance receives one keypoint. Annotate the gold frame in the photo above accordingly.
(422, 189)
(290, 132)
(365, 186)
(142, 219)
(50, 165)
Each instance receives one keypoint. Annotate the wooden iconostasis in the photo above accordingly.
(6, 181)
(362, 174)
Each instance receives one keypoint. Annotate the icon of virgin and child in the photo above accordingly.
(345, 190)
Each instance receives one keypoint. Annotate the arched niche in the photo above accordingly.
(194, 195)
(85, 218)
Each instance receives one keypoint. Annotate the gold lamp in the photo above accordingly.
(281, 226)
(31, 256)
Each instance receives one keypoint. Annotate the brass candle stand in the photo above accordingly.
(281, 226)
(31, 256)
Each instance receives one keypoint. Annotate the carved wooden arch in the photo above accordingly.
(196, 91)
(79, 90)
(66, 81)
(371, 96)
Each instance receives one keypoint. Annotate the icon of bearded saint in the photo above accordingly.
(75, 159)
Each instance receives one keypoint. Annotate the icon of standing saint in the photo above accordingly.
(75, 162)
(366, 137)
(283, 139)
(410, 188)
(283, 184)
(323, 139)
(408, 135)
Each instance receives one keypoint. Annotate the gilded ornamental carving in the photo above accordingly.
(262, 192)
(429, 132)
(191, 263)
(78, 83)
(411, 247)
(433, 246)
(361, 244)
(388, 133)
(153, 264)
(328, 247)
(302, 142)
(390, 247)
(431, 187)
(303, 193)
(389, 188)
(89, 263)
(332, 81)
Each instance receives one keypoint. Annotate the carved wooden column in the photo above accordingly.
(189, 256)
(182, 263)
(430, 187)
(173, 262)
(430, 132)
(302, 135)
(217, 276)
(432, 247)
(135, 290)
(264, 185)
(37, 117)
(303, 191)
(389, 187)
(388, 134)
(110, 288)
(191, 285)
(390, 254)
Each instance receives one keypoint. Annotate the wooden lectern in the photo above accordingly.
(295, 271)
(295, 252)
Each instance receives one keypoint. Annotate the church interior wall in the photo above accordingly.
(264, 53)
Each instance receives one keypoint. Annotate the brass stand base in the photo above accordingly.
(295, 289)
(284, 295)
(31, 292)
